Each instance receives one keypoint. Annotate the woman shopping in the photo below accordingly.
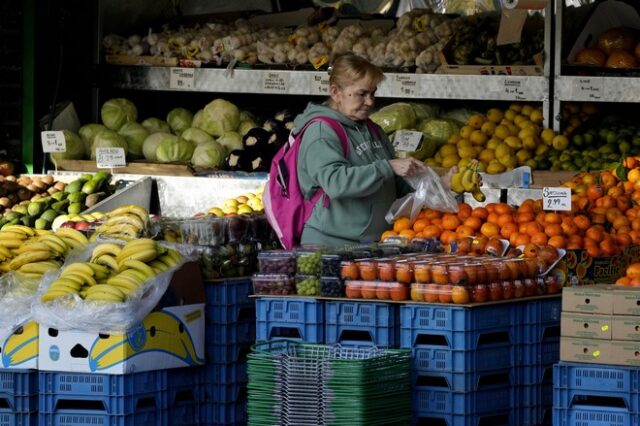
(362, 185)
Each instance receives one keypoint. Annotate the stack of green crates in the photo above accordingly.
(300, 384)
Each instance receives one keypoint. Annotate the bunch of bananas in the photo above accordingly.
(467, 179)
(31, 252)
(114, 272)
(124, 223)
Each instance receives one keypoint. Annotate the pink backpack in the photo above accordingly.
(285, 207)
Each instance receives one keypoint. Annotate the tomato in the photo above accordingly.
(353, 290)
(368, 271)
(504, 272)
(349, 271)
(495, 291)
(532, 267)
(404, 273)
(518, 289)
(369, 291)
(399, 292)
(386, 271)
(507, 290)
(530, 287)
(417, 294)
(440, 275)
(382, 291)
(444, 294)
(479, 293)
(432, 293)
(457, 275)
(460, 295)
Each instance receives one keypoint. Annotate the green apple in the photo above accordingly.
(231, 202)
(229, 209)
(244, 209)
(216, 211)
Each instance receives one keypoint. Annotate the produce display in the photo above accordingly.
(123, 223)
(307, 285)
(631, 276)
(615, 48)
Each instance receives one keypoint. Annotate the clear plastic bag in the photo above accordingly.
(16, 297)
(74, 313)
(429, 193)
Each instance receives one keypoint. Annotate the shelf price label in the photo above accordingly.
(405, 85)
(517, 90)
(556, 199)
(53, 141)
(407, 140)
(319, 85)
(275, 82)
(588, 89)
(110, 158)
(182, 78)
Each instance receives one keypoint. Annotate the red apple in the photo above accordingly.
(68, 224)
(82, 225)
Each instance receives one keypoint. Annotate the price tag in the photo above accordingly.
(319, 85)
(110, 158)
(406, 85)
(182, 78)
(53, 141)
(275, 82)
(556, 199)
(406, 140)
(516, 90)
(588, 89)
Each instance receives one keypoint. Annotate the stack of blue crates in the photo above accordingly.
(300, 319)
(595, 395)
(18, 397)
(230, 333)
(362, 324)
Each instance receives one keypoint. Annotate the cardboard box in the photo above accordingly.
(586, 326)
(19, 349)
(625, 353)
(579, 268)
(594, 299)
(586, 350)
(625, 328)
(171, 336)
(626, 300)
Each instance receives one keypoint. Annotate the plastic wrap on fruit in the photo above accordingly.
(16, 296)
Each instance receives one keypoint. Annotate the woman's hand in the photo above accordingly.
(406, 166)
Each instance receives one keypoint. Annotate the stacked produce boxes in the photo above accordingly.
(19, 397)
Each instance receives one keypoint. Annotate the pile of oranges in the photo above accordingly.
(605, 218)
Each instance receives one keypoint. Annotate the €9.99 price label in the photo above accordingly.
(556, 199)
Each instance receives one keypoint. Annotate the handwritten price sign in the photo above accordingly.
(53, 141)
(556, 199)
(110, 158)
(406, 140)
(182, 78)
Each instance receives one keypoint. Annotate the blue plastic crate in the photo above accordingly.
(111, 405)
(503, 418)
(185, 386)
(598, 377)
(534, 374)
(225, 373)
(18, 403)
(431, 400)
(178, 378)
(19, 419)
(566, 398)
(231, 413)
(228, 292)
(538, 333)
(84, 418)
(225, 354)
(586, 415)
(534, 395)
(18, 382)
(96, 385)
(468, 381)
(361, 323)
(184, 414)
(243, 332)
(459, 328)
(221, 393)
(441, 358)
(542, 311)
(545, 353)
(290, 318)
(229, 314)
(530, 416)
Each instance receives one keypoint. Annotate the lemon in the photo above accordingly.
(519, 119)
(493, 143)
(523, 155)
(488, 128)
(482, 166)
(438, 157)
(476, 121)
(526, 110)
(464, 143)
(560, 142)
(478, 138)
(465, 132)
(453, 139)
(501, 132)
(495, 115)
(547, 136)
(542, 149)
(466, 152)
(529, 131)
(503, 150)
(536, 116)
(450, 160)
(463, 162)
(533, 164)
(478, 149)
(510, 114)
(513, 142)
(515, 107)
(487, 155)
(448, 149)
(508, 161)
(524, 124)
(494, 168)
(431, 162)
(513, 129)
(531, 142)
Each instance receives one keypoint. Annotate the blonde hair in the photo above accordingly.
(349, 68)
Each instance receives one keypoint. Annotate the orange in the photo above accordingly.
(409, 233)
(612, 213)
(628, 187)
(594, 192)
(491, 207)
(539, 238)
(473, 222)
(450, 221)
(558, 241)
(493, 218)
(635, 236)
(533, 228)
(522, 240)
(552, 218)
(582, 222)
(633, 271)
(569, 228)
(420, 224)
(387, 234)
(422, 214)
(593, 250)
(553, 229)
(480, 212)
(608, 248)
(623, 203)
(608, 179)
(525, 217)
(504, 218)
(431, 231)
(514, 237)
(459, 294)
(437, 221)
(489, 229)
(615, 191)
(464, 211)
(401, 224)
(432, 214)
(507, 229)
(623, 281)
(635, 224)
(583, 204)
(620, 221)
(502, 208)
(447, 237)
(526, 206)
(623, 239)
(595, 234)
(464, 231)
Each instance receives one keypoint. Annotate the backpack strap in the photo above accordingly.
(373, 128)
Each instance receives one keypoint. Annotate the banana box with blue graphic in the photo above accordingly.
(19, 349)
(168, 338)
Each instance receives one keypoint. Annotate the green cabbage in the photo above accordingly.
(424, 111)
(74, 145)
(398, 116)
(197, 119)
(209, 154)
(155, 125)
(438, 129)
(151, 143)
(196, 136)
(246, 115)
(245, 126)
(231, 141)
(116, 112)
(179, 120)
(220, 116)
(108, 139)
(134, 134)
(88, 133)
(178, 150)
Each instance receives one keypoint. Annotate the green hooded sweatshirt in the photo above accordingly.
(361, 187)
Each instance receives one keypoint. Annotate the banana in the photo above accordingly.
(467, 179)
(100, 272)
(138, 266)
(158, 266)
(20, 228)
(11, 244)
(108, 261)
(111, 249)
(140, 242)
(39, 267)
(24, 258)
(82, 267)
(31, 246)
(4, 267)
(24, 276)
(71, 244)
(146, 255)
(73, 234)
(456, 183)
(86, 278)
(104, 289)
(123, 283)
(62, 287)
(142, 213)
(478, 195)
(67, 282)
(105, 298)
(40, 232)
(10, 235)
(5, 252)
(122, 228)
(130, 219)
(72, 280)
(139, 277)
(55, 243)
(50, 296)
